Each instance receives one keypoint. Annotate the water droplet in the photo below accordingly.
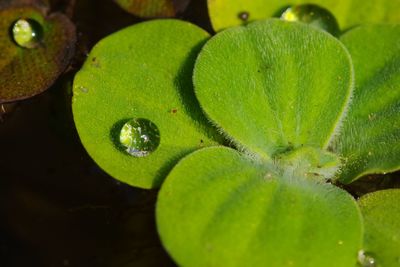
(365, 259)
(244, 15)
(83, 89)
(27, 33)
(314, 15)
(139, 137)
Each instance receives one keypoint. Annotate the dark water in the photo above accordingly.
(57, 208)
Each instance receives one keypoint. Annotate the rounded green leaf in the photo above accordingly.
(381, 212)
(226, 13)
(28, 68)
(218, 208)
(141, 72)
(272, 85)
(369, 140)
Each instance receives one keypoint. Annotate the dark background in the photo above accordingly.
(57, 208)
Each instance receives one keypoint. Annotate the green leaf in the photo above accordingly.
(28, 71)
(226, 13)
(369, 139)
(381, 212)
(218, 208)
(143, 71)
(273, 86)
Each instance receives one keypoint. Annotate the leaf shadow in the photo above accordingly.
(183, 81)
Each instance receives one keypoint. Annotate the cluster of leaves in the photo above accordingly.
(300, 109)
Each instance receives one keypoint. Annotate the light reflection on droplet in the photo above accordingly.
(139, 137)
(27, 33)
(314, 15)
(365, 259)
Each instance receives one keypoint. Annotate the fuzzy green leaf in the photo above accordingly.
(381, 213)
(369, 139)
(218, 208)
(274, 86)
(143, 71)
(226, 13)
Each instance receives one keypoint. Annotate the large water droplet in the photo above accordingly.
(365, 259)
(139, 137)
(314, 15)
(27, 33)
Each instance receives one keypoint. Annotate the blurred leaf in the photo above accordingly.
(25, 72)
(153, 8)
(219, 208)
(381, 213)
(226, 13)
(143, 71)
(369, 138)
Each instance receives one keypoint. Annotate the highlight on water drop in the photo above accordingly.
(313, 15)
(139, 137)
(365, 259)
(27, 33)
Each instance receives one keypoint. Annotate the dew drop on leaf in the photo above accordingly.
(365, 259)
(27, 33)
(244, 16)
(314, 15)
(139, 137)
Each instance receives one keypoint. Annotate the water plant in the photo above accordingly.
(251, 158)
(255, 135)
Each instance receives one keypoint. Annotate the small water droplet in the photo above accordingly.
(27, 33)
(366, 259)
(244, 15)
(314, 15)
(83, 89)
(139, 137)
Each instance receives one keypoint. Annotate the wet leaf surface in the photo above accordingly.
(349, 13)
(142, 72)
(26, 71)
